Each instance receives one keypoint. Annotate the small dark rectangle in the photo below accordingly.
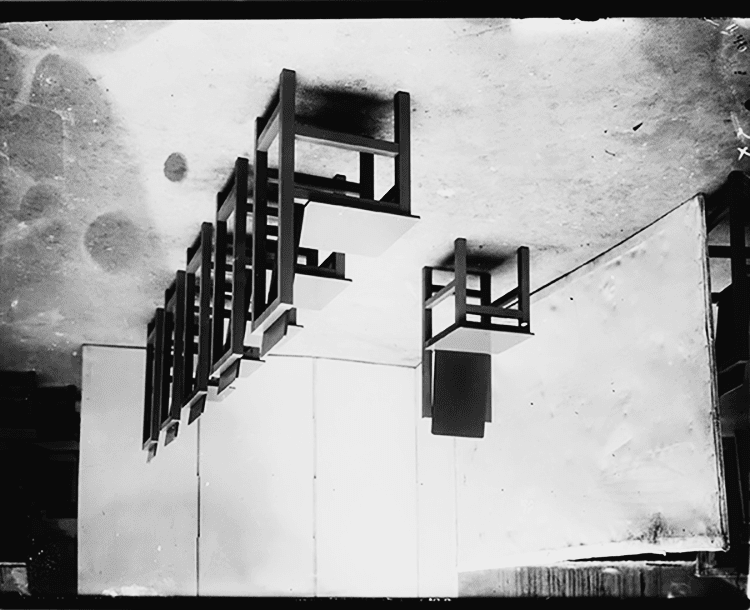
(462, 393)
(228, 376)
(171, 433)
(196, 410)
(274, 333)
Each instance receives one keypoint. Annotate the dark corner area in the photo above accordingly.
(39, 440)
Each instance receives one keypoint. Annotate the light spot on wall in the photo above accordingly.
(175, 167)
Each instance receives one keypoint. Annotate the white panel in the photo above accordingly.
(438, 575)
(339, 228)
(256, 477)
(366, 479)
(479, 341)
(604, 432)
(314, 292)
(137, 522)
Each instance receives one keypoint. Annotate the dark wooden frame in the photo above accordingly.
(198, 322)
(433, 294)
(191, 355)
(154, 349)
(175, 305)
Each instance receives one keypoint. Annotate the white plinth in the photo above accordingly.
(478, 341)
(350, 230)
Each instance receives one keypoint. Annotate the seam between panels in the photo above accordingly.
(416, 411)
(314, 371)
(198, 512)
(455, 504)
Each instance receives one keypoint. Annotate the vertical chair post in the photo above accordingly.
(203, 369)
(157, 382)
(178, 359)
(366, 175)
(485, 295)
(524, 301)
(426, 336)
(219, 279)
(740, 292)
(402, 137)
(285, 261)
(188, 358)
(167, 361)
(238, 316)
(260, 219)
(148, 405)
(460, 279)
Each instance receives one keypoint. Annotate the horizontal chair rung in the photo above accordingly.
(501, 312)
(718, 251)
(327, 137)
(311, 181)
(507, 299)
(441, 294)
(470, 292)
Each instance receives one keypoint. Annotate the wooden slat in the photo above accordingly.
(361, 203)
(460, 280)
(241, 260)
(189, 338)
(317, 182)
(148, 401)
(499, 312)
(166, 372)
(426, 336)
(337, 139)
(402, 130)
(507, 299)
(220, 271)
(367, 175)
(524, 286)
(260, 228)
(178, 381)
(440, 295)
(719, 251)
(270, 131)
(286, 243)
(158, 374)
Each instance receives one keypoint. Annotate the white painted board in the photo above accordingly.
(436, 506)
(604, 439)
(137, 521)
(256, 482)
(366, 509)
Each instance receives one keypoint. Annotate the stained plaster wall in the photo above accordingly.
(319, 477)
(620, 437)
(302, 482)
(572, 135)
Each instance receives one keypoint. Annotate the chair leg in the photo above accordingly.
(524, 287)
(426, 336)
(460, 272)
(402, 137)
(286, 261)
(260, 219)
(367, 175)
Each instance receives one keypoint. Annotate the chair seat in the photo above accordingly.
(473, 338)
(337, 225)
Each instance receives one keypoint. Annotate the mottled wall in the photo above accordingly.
(562, 136)
(605, 425)
(301, 482)
(137, 521)
(79, 260)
